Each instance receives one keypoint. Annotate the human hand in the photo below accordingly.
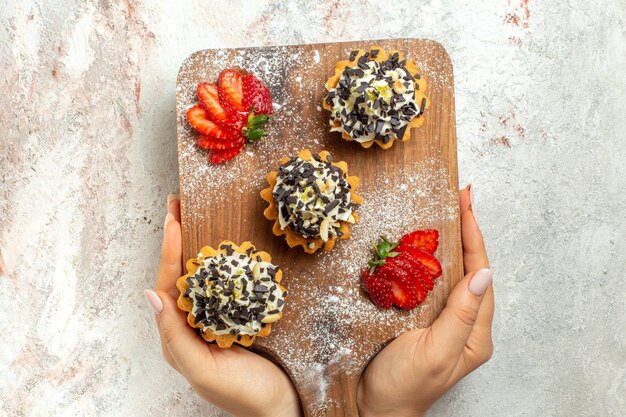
(417, 368)
(234, 379)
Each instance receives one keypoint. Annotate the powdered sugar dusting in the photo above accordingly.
(241, 175)
(281, 70)
(334, 313)
(321, 337)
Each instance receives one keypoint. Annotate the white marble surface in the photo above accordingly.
(88, 154)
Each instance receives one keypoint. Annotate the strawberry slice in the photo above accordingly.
(237, 120)
(225, 122)
(408, 289)
(408, 293)
(200, 120)
(230, 90)
(416, 270)
(209, 99)
(379, 289)
(208, 142)
(221, 156)
(426, 240)
(429, 261)
(256, 95)
(406, 268)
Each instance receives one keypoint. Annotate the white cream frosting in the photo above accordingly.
(234, 293)
(372, 101)
(312, 197)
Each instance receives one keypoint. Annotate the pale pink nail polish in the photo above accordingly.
(155, 302)
(480, 281)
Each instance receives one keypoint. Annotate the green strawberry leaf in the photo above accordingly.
(383, 250)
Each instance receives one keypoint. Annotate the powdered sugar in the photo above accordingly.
(335, 314)
(277, 69)
(333, 329)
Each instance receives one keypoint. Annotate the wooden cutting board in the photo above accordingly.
(330, 329)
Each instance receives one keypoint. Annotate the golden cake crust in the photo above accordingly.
(411, 66)
(293, 239)
(186, 304)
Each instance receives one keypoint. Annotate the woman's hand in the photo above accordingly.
(412, 372)
(235, 379)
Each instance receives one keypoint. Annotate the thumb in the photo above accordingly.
(187, 348)
(454, 326)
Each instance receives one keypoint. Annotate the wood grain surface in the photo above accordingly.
(330, 329)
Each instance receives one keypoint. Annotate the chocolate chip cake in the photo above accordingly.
(312, 201)
(375, 97)
(232, 294)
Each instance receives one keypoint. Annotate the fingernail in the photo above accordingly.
(170, 197)
(480, 281)
(471, 196)
(168, 218)
(155, 302)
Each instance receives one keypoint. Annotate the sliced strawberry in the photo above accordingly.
(200, 120)
(208, 96)
(230, 90)
(409, 270)
(208, 142)
(379, 289)
(426, 240)
(416, 270)
(256, 95)
(221, 156)
(429, 261)
(209, 99)
(408, 292)
(222, 118)
(237, 119)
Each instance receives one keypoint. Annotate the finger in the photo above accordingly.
(485, 313)
(479, 346)
(475, 258)
(188, 350)
(167, 356)
(171, 246)
(173, 206)
(170, 264)
(464, 198)
(155, 302)
(450, 332)
(474, 252)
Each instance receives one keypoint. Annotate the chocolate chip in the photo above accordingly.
(260, 288)
(329, 207)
